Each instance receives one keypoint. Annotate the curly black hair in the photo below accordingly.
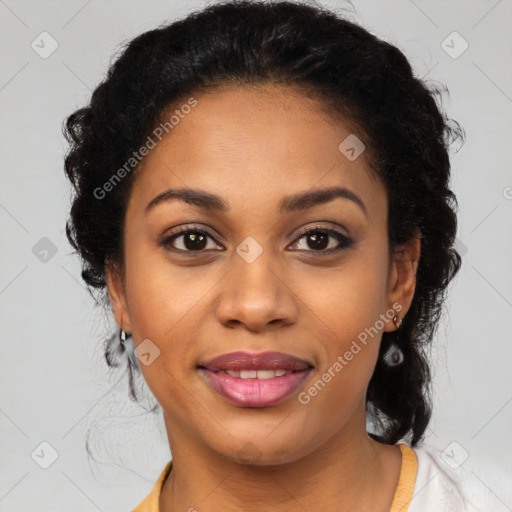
(367, 81)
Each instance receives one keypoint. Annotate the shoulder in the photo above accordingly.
(437, 488)
(442, 486)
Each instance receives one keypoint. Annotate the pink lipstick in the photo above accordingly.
(255, 379)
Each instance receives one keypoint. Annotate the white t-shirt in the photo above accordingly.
(439, 488)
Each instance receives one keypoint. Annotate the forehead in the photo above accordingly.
(253, 145)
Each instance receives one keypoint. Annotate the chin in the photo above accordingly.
(252, 450)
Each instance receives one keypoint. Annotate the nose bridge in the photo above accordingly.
(254, 293)
(255, 275)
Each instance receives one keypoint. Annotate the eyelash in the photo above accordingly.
(344, 241)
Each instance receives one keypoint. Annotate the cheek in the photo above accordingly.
(347, 300)
(167, 306)
(162, 295)
(347, 305)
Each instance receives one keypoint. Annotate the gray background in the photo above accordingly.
(54, 385)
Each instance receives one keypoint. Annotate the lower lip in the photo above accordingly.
(255, 392)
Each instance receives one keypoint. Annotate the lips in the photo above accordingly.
(246, 361)
(255, 380)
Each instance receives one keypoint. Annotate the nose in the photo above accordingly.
(256, 295)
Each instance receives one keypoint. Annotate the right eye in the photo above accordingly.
(190, 239)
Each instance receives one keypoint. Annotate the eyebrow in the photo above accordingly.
(212, 202)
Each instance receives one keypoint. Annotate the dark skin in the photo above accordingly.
(252, 146)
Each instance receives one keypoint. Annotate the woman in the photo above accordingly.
(262, 190)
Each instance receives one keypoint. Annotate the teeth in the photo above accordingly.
(256, 374)
(265, 374)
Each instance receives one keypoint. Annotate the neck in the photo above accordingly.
(350, 471)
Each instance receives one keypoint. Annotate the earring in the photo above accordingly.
(394, 355)
(122, 336)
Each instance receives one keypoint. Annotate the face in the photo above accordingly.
(267, 272)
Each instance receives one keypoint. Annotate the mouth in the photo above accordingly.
(255, 380)
(252, 373)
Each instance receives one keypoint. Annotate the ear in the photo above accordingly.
(402, 277)
(116, 291)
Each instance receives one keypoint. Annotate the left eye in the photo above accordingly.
(318, 239)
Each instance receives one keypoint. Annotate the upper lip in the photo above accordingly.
(255, 361)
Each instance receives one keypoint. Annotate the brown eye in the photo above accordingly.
(194, 241)
(189, 241)
(323, 241)
(318, 240)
